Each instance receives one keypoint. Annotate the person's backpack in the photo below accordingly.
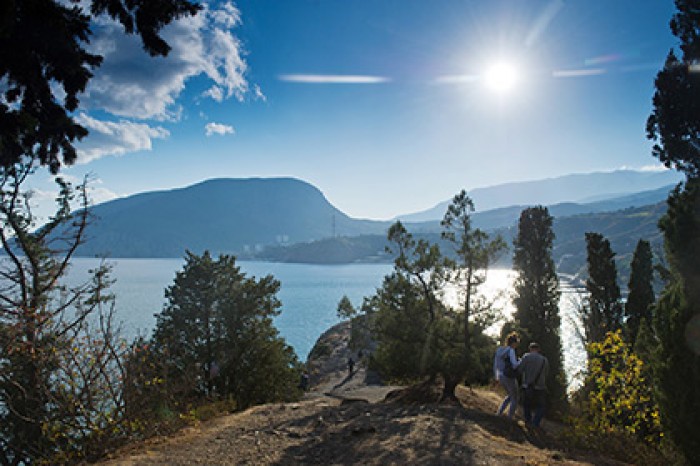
(508, 369)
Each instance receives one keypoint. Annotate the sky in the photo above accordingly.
(387, 106)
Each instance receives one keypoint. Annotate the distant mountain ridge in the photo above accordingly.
(574, 188)
(623, 228)
(245, 216)
(222, 215)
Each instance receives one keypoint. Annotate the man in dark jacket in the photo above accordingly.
(534, 368)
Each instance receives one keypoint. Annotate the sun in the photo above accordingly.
(500, 77)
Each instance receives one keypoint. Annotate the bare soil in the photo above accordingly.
(352, 419)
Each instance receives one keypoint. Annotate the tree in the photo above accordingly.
(408, 318)
(675, 120)
(641, 296)
(474, 250)
(42, 74)
(59, 353)
(675, 127)
(216, 335)
(676, 364)
(602, 311)
(408, 315)
(537, 293)
(346, 310)
(402, 328)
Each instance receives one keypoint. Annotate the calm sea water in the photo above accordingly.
(309, 295)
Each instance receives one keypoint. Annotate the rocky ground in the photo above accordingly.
(349, 419)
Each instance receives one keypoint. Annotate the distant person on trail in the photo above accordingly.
(505, 362)
(351, 366)
(534, 367)
(304, 381)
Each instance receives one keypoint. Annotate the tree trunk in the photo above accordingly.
(448, 389)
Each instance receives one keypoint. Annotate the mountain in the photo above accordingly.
(575, 188)
(623, 228)
(245, 216)
(223, 215)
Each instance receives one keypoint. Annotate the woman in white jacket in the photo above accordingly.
(504, 364)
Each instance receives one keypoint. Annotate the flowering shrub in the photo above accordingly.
(620, 397)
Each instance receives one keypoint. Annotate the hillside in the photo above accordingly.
(222, 215)
(579, 188)
(623, 228)
(351, 419)
(289, 218)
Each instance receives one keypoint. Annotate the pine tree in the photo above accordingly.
(216, 334)
(641, 290)
(44, 73)
(475, 251)
(417, 335)
(603, 309)
(677, 322)
(675, 127)
(52, 400)
(537, 293)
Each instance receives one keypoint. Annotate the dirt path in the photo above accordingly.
(342, 429)
(345, 420)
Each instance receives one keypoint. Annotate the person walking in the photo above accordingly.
(534, 368)
(505, 363)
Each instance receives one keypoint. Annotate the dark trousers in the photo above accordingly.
(534, 400)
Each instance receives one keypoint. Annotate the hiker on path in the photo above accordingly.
(504, 364)
(534, 367)
(351, 366)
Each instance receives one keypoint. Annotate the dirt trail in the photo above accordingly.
(345, 420)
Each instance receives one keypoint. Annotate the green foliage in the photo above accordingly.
(215, 336)
(474, 251)
(537, 294)
(45, 73)
(675, 121)
(602, 311)
(60, 372)
(620, 396)
(677, 363)
(345, 309)
(402, 328)
(675, 127)
(407, 316)
(641, 290)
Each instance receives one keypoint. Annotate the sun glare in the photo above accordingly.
(500, 77)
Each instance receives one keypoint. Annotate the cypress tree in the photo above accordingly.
(603, 309)
(674, 125)
(641, 290)
(537, 293)
(677, 322)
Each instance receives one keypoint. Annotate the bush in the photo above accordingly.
(616, 410)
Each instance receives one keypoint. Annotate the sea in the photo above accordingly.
(309, 295)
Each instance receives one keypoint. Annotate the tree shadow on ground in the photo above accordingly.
(360, 433)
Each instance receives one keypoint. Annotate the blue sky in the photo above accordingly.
(384, 105)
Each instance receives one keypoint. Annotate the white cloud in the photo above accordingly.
(99, 195)
(115, 138)
(218, 128)
(132, 84)
(654, 168)
(228, 15)
(578, 73)
(332, 79)
(259, 93)
(43, 200)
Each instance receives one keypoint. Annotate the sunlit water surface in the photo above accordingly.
(309, 296)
